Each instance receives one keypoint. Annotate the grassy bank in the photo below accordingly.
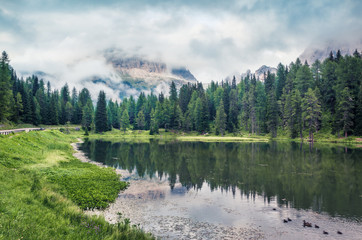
(43, 189)
(143, 136)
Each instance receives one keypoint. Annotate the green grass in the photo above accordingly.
(242, 136)
(98, 188)
(43, 189)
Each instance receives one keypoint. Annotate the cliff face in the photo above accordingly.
(125, 64)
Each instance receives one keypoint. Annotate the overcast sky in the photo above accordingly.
(66, 38)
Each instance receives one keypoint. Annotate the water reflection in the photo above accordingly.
(321, 178)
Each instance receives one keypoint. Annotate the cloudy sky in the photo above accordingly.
(66, 38)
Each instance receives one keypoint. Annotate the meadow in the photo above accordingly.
(44, 189)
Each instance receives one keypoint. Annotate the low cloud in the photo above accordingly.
(67, 39)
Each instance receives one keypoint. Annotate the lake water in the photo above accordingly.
(196, 190)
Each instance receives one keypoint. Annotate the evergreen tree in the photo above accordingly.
(233, 110)
(53, 109)
(233, 83)
(328, 82)
(198, 115)
(304, 79)
(18, 109)
(36, 86)
(173, 93)
(311, 112)
(141, 120)
(245, 112)
(154, 123)
(131, 106)
(68, 111)
(345, 110)
(272, 105)
(296, 126)
(179, 119)
(185, 96)
(220, 121)
(83, 97)
(36, 112)
(101, 113)
(272, 114)
(358, 119)
(260, 107)
(281, 76)
(41, 98)
(87, 115)
(5, 87)
(125, 121)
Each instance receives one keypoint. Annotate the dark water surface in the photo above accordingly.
(236, 184)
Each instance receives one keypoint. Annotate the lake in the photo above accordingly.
(197, 190)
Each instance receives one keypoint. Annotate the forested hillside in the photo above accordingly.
(326, 96)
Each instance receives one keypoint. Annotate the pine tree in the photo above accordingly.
(173, 92)
(125, 121)
(101, 113)
(358, 118)
(36, 112)
(296, 115)
(87, 115)
(141, 120)
(345, 110)
(18, 109)
(198, 115)
(233, 110)
(53, 109)
(245, 113)
(281, 76)
(41, 98)
(220, 121)
(272, 114)
(131, 106)
(311, 112)
(272, 105)
(304, 79)
(184, 97)
(179, 119)
(68, 111)
(5, 87)
(154, 123)
(328, 82)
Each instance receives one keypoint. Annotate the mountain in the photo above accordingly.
(322, 51)
(138, 74)
(259, 73)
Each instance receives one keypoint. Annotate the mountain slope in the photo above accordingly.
(321, 52)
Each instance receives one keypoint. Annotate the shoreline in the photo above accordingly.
(133, 203)
(78, 154)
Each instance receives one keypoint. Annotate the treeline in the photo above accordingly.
(326, 96)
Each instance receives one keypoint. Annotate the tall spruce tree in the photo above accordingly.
(5, 87)
(311, 112)
(281, 79)
(87, 115)
(345, 111)
(220, 121)
(101, 113)
(173, 92)
(358, 118)
(296, 127)
(125, 121)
